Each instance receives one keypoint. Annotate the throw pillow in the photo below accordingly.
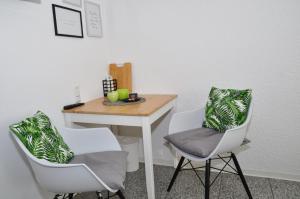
(226, 108)
(42, 139)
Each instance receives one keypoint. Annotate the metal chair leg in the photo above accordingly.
(207, 178)
(175, 173)
(239, 170)
(99, 195)
(120, 194)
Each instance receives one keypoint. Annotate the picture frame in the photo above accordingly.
(93, 19)
(67, 21)
(73, 2)
(33, 1)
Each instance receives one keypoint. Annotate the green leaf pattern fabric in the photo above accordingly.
(226, 108)
(42, 139)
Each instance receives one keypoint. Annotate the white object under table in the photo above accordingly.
(142, 115)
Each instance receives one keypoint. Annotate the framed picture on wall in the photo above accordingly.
(67, 22)
(33, 1)
(73, 2)
(93, 19)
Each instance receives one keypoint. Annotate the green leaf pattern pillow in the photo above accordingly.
(42, 139)
(226, 108)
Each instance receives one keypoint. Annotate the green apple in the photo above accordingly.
(113, 96)
(123, 93)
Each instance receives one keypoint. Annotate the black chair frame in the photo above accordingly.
(208, 183)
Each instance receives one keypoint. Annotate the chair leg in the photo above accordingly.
(120, 194)
(99, 195)
(239, 170)
(175, 174)
(207, 178)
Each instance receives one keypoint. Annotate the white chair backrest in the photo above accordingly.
(187, 120)
(29, 156)
(233, 138)
(38, 165)
(60, 178)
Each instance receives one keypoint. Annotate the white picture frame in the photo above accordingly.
(73, 2)
(93, 19)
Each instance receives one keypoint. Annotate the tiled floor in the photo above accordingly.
(187, 186)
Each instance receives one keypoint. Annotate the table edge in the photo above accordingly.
(72, 111)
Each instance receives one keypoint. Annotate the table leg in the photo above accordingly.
(147, 142)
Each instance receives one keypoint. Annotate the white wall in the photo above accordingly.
(185, 47)
(181, 47)
(39, 72)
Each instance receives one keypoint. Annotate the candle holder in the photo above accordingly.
(108, 86)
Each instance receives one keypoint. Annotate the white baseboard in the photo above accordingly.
(254, 173)
(160, 162)
(267, 174)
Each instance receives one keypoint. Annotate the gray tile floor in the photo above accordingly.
(187, 186)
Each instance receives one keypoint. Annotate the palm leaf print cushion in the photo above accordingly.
(42, 139)
(226, 108)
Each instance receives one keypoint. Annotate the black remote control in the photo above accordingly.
(67, 107)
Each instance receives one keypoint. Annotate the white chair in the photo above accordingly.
(231, 140)
(74, 178)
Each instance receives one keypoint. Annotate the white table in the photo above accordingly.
(142, 115)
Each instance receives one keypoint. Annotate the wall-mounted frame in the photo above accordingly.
(93, 19)
(33, 1)
(67, 21)
(73, 2)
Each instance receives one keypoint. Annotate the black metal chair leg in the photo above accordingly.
(207, 179)
(239, 170)
(99, 195)
(120, 194)
(175, 174)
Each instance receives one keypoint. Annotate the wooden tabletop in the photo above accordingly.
(152, 104)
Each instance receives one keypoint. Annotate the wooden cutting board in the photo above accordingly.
(123, 75)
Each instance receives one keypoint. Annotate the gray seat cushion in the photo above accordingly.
(109, 166)
(199, 142)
